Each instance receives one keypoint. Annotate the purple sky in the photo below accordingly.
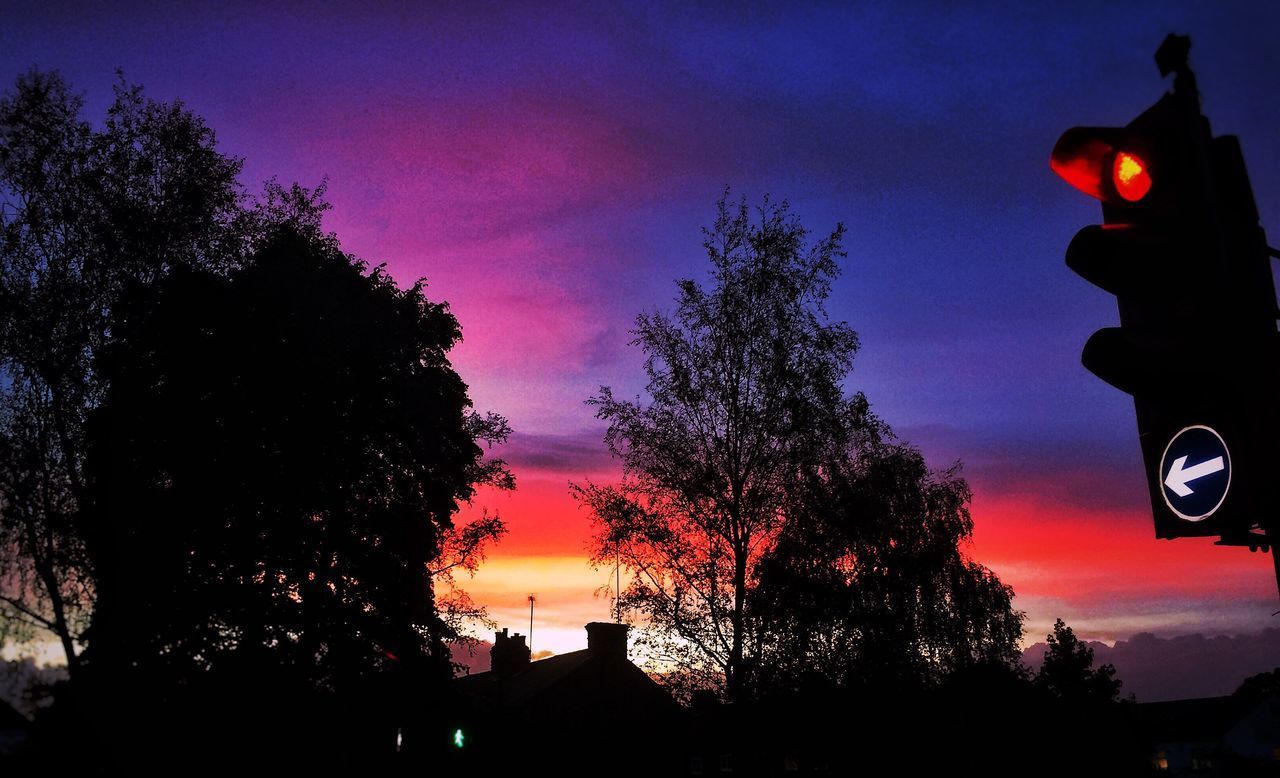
(549, 169)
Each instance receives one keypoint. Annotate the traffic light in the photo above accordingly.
(1181, 249)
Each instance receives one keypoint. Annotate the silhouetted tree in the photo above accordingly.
(750, 480)
(870, 585)
(1260, 685)
(28, 686)
(83, 212)
(88, 214)
(1068, 672)
(462, 549)
(274, 470)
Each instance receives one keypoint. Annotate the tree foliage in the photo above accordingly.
(1068, 672)
(752, 482)
(870, 585)
(1259, 685)
(227, 448)
(274, 472)
(83, 213)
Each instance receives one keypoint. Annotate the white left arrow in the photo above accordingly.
(1179, 476)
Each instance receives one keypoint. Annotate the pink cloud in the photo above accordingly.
(463, 171)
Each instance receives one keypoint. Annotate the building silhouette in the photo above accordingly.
(1232, 735)
(582, 712)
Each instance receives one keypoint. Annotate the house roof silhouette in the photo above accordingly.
(577, 701)
(597, 677)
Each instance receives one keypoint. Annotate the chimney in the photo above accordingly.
(509, 654)
(607, 639)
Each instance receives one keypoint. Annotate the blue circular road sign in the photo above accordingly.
(1195, 473)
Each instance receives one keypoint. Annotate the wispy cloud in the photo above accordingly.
(576, 455)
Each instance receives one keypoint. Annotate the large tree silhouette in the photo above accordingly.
(111, 233)
(83, 212)
(753, 485)
(274, 469)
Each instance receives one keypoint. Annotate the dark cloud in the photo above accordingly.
(1155, 668)
(571, 455)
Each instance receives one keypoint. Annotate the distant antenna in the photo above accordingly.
(617, 587)
(531, 600)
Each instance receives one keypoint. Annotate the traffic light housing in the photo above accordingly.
(1181, 249)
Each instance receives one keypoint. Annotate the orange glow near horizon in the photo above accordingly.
(569, 595)
(1100, 570)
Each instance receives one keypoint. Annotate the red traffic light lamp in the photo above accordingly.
(1093, 160)
(1129, 176)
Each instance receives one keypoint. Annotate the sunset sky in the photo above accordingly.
(548, 171)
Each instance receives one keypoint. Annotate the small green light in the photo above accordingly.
(458, 738)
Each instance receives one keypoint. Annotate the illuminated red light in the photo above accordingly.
(1130, 177)
(1103, 163)
(1079, 157)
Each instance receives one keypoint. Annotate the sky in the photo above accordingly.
(549, 168)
